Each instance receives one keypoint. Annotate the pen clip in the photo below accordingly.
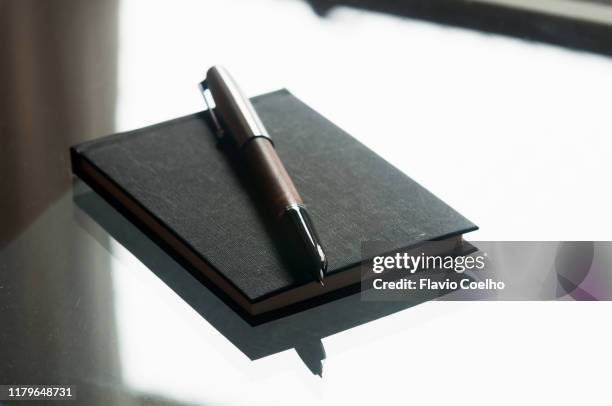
(210, 104)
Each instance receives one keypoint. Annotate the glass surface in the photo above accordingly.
(86, 300)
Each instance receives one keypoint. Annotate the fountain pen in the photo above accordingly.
(233, 115)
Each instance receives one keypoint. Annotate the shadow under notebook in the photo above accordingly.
(301, 331)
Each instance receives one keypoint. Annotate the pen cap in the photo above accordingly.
(235, 111)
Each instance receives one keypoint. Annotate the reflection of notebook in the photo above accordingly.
(194, 199)
(583, 24)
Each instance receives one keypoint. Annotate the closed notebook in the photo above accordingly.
(190, 193)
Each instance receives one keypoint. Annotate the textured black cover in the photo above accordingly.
(179, 173)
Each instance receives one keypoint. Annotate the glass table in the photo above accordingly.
(513, 134)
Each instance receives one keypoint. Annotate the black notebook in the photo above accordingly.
(191, 195)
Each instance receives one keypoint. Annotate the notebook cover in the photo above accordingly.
(197, 188)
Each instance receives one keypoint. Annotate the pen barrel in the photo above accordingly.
(266, 170)
(274, 183)
(269, 175)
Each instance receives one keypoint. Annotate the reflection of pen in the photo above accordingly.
(313, 354)
(235, 113)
